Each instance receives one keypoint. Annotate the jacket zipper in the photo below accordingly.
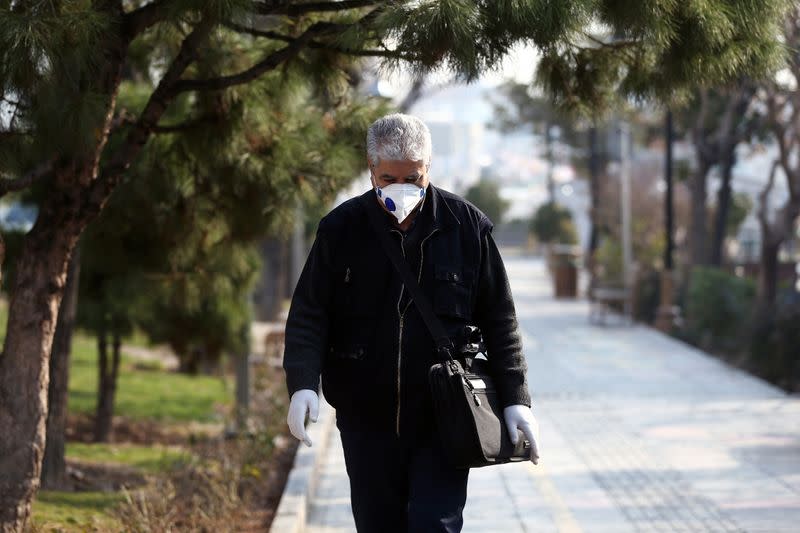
(400, 336)
(399, 342)
(399, 351)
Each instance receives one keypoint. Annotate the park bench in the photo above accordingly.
(601, 300)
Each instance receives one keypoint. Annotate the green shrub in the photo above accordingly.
(775, 344)
(552, 223)
(648, 296)
(718, 307)
(486, 196)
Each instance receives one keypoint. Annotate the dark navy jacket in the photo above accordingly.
(352, 323)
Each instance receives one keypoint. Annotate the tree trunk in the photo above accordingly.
(107, 385)
(594, 200)
(697, 226)
(723, 208)
(768, 271)
(24, 364)
(54, 471)
(189, 361)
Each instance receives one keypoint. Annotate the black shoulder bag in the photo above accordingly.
(467, 411)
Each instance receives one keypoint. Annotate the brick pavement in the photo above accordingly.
(639, 432)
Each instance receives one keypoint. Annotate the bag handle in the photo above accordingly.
(444, 346)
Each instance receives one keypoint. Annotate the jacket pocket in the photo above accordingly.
(452, 291)
(357, 290)
(344, 372)
(353, 351)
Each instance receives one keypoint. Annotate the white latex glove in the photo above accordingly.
(521, 416)
(303, 401)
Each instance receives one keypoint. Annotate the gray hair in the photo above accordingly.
(399, 137)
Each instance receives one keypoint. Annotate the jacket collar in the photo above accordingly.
(440, 214)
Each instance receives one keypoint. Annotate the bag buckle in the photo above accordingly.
(445, 351)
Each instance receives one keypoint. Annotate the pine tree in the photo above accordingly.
(63, 65)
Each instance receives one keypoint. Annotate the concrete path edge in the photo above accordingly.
(292, 513)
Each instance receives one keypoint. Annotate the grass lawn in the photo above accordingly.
(149, 459)
(144, 392)
(74, 511)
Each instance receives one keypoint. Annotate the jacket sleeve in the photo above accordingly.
(308, 320)
(497, 319)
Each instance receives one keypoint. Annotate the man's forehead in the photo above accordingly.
(390, 174)
(399, 165)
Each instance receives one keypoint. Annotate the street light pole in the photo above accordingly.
(551, 195)
(665, 314)
(625, 182)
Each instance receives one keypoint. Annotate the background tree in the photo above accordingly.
(781, 117)
(717, 121)
(62, 66)
(486, 196)
(524, 108)
(518, 107)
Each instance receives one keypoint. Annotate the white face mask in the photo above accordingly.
(400, 198)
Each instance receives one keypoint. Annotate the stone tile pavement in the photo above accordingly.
(639, 433)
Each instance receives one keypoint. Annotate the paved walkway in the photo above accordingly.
(639, 432)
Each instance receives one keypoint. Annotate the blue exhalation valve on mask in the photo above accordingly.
(400, 198)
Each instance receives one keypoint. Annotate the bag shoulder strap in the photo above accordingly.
(443, 343)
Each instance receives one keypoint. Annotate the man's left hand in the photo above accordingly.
(520, 418)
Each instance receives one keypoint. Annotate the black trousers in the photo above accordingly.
(398, 487)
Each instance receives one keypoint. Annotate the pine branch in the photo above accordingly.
(186, 125)
(142, 18)
(265, 65)
(626, 47)
(144, 126)
(23, 182)
(316, 44)
(294, 10)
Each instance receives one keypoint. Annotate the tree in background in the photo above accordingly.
(523, 108)
(740, 206)
(781, 118)
(647, 220)
(486, 196)
(518, 107)
(63, 65)
(717, 121)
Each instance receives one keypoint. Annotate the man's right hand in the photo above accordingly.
(303, 401)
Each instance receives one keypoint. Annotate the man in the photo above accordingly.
(353, 323)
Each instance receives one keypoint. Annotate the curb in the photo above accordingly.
(293, 508)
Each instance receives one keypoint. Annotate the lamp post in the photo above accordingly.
(665, 314)
(625, 183)
(552, 134)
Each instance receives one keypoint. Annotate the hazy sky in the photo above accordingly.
(519, 65)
